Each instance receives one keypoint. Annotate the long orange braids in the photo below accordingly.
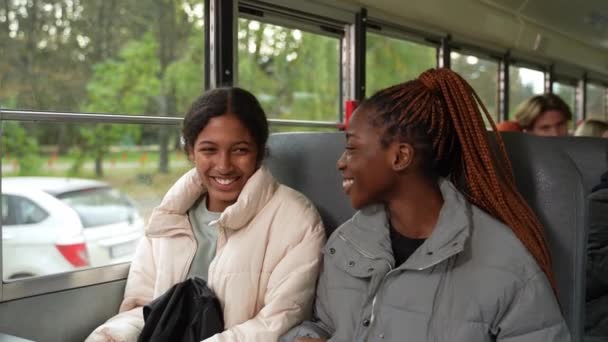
(440, 113)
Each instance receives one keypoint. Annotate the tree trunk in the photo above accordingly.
(166, 53)
(63, 143)
(99, 165)
(163, 160)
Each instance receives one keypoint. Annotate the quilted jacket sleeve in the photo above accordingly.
(320, 326)
(521, 321)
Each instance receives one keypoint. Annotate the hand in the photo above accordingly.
(307, 339)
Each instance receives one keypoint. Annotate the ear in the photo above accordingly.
(403, 156)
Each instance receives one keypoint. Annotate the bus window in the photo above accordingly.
(596, 98)
(524, 83)
(107, 57)
(392, 61)
(568, 93)
(80, 199)
(482, 75)
(295, 74)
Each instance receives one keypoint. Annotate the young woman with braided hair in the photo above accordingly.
(443, 247)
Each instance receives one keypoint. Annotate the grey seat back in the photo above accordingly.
(307, 163)
(555, 176)
(547, 173)
(590, 155)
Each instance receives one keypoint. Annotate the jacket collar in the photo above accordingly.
(371, 231)
(170, 217)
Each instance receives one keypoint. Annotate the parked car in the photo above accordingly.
(52, 225)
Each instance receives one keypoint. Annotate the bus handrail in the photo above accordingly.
(28, 115)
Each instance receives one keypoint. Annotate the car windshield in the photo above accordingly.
(99, 206)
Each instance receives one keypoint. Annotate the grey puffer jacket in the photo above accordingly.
(471, 281)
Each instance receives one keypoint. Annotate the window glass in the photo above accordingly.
(596, 107)
(524, 83)
(99, 206)
(568, 93)
(391, 61)
(482, 75)
(97, 185)
(19, 210)
(293, 73)
(128, 57)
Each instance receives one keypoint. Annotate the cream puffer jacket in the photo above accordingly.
(264, 271)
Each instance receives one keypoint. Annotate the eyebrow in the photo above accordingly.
(214, 143)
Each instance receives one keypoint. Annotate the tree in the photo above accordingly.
(126, 84)
(22, 147)
(482, 75)
(392, 61)
(294, 74)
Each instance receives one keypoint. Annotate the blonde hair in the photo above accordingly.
(528, 111)
(591, 128)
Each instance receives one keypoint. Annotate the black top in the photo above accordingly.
(403, 246)
(603, 183)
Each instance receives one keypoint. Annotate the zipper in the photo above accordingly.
(418, 269)
(370, 256)
(373, 315)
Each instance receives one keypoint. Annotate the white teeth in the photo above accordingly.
(347, 183)
(225, 181)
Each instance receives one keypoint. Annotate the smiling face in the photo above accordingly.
(225, 156)
(367, 166)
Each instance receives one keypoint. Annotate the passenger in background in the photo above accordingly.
(592, 128)
(256, 242)
(545, 115)
(596, 313)
(443, 247)
(508, 126)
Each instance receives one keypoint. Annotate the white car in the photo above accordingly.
(52, 225)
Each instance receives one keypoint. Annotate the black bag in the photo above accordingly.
(188, 311)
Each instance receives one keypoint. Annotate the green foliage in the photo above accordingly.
(392, 61)
(294, 74)
(186, 75)
(17, 144)
(128, 83)
(146, 57)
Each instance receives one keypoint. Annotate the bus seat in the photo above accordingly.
(590, 155)
(548, 178)
(549, 174)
